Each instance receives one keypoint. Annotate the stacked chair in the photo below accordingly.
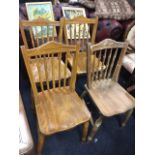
(53, 62)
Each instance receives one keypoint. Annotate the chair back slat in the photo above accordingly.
(108, 64)
(48, 58)
(37, 32)
(81, 30)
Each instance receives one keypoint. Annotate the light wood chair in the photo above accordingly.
(58, 107)
(37, 32)
(102, 86)
(81, 30)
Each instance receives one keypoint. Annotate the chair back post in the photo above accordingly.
(23, 33)
(89, 52)
(119, 64)
(74, 68)
(24, 53)
(94, 31)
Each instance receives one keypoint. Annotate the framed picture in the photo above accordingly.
(36, 10)
(70, 13)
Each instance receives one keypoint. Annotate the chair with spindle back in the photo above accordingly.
(58, 107)
(37, 32)
(102, 85)
(82, 30)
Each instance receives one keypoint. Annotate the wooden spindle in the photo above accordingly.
(79, 32)
(36, 36)
(83, 37)
(53, 28)
(70, 34)
(103, 63)
(48, 37)
(53, 75)
(98, 65)
(42, 35)
(65, 69)
(32, 37)
(39, 62)
(112, 63)
(46, 59)
(75, 41)
(107, 65)
(59, 59)
(92, 57)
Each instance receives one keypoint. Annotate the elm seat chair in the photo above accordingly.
(58, 107)
(37, 32)
(129, 58)
(81, 30)
(102, 86)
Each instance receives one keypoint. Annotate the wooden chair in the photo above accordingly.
(58, 107)
(80, 30)
(102, 86)
(32, 38)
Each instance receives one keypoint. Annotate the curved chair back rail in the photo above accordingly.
(110, 53)
(40, 31)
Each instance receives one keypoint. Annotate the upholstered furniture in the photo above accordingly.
(107, 28)
(26, 146)
(102, 85)
(114, 9)
(58, 107)
(90, 4)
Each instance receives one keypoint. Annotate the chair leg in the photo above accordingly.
(85, 131)
(96, 126)
(128, 114)
(41, 140)
(131, 88)
(83, 94)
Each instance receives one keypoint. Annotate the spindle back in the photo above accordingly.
(46, 55)
(80, 29)
(37, 32)
(110, 53)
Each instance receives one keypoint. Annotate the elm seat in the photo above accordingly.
(26, 146)
(60, 110)
(110, 97)
(35, 73)
(81, 67)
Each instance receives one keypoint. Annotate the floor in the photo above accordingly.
(111, 139)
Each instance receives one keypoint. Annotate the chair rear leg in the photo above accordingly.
(128, 114)
(41, 140)
(83, 94)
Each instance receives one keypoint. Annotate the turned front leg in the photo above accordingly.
(85, 131)
(41, 140)
(95, 128)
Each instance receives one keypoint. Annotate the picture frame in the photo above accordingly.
(44, 10)
(70, 13)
